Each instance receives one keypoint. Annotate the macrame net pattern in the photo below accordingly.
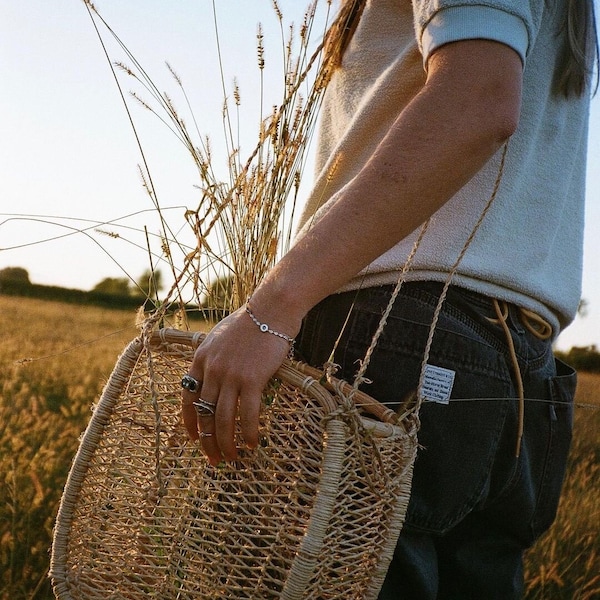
(314, 512)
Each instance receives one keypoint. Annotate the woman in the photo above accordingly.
(414, 124)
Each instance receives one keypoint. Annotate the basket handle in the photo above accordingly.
(332, 384)
(361, 399)
(365, 362)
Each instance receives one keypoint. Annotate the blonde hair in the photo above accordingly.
(580, 51)
(574, 71)
(341, 31)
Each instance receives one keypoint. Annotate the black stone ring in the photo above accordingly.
(190, 384)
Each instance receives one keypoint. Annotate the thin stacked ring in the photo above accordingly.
(204, 408)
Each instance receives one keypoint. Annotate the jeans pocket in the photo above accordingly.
(562, 393)
(459, 441)
(459, 444)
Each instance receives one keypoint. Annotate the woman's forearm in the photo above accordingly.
(437, 144)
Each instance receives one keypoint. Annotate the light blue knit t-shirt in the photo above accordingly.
(528, 249)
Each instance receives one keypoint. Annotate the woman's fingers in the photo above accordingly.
(225, 419)
(206, 408)
(249, 411)
(188, 413)
(208, 439)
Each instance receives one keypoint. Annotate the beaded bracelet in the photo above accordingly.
(265, 328)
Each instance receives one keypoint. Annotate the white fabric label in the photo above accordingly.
(437, 384)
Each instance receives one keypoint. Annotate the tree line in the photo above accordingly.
(147, 285)
(110, 292)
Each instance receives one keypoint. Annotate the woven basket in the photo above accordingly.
(314, 512)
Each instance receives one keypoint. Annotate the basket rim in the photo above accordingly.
(332, 384)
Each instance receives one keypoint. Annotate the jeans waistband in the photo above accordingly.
(498, 312)
(533, 322)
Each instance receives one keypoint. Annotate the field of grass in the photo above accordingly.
(565, 563)
(54, 360)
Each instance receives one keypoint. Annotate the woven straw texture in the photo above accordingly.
(313, 513)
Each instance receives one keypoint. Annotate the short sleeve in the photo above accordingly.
(514, 23)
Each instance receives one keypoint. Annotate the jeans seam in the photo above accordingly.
(548, 459)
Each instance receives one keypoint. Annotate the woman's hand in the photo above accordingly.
(233, 365)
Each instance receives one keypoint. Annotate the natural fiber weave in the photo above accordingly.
(313, 513)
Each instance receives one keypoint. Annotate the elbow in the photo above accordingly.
(493, 120)
(502, 130)
(497, 105)
(505, 120)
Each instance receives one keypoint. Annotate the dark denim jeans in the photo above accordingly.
(474, 505)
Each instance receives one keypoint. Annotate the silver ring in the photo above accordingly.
(204, 408)
(190, 384)
(204, 434)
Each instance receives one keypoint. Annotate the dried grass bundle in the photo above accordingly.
(244, 218)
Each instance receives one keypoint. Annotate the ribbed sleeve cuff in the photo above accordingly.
(474, 22)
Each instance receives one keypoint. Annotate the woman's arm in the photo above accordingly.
(466, 110)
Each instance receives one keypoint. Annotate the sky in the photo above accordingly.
(73, 209)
